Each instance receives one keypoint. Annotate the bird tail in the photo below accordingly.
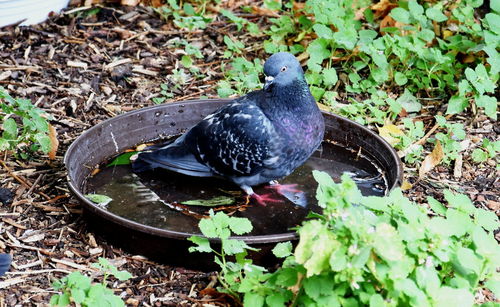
(175, 157)
(5, 260)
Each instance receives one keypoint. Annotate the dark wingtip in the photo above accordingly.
(140, 165)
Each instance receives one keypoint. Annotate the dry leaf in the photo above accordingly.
(386, 22)
(261, 11)
(389, 132)
(433, 159)
(382, 8)
(493, 205)
(406, 185)
(130, 2)
(54, 142)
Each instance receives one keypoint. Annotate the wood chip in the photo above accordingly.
(117, 63)
(77, 64)
(10, 282)
(141, 70)
(457, 170)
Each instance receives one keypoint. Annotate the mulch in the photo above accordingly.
(84, 68)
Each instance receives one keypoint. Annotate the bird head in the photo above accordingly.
(281, 69)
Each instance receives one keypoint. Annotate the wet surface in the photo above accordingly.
(148, 198)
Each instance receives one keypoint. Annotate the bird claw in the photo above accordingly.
(263, 199)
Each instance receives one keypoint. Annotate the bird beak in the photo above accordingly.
(269, 81)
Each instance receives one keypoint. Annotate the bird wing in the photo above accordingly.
(174, 156)
(237, 140)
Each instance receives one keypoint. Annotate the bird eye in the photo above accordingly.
(284, 68)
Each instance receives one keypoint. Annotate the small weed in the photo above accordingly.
(79, 289)
(243, 76)
(25, 127)
(488, 150)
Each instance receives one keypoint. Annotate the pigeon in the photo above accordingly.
(5, 260)
(254, 139)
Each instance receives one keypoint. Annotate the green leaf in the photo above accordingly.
(186, 61)
(330, 76)
(436, 206)
(63, 299)
(78, 295)
(9, 129)
(489, 104)
(375, 203)
(457, 104)
(387, 243)
(253, 300)
(435, 14)
(4, 144)
(377, 300)
(495, 6)
(283, 249)
(240, 225)
(123, 159)
(203, 245)
(323, 31)
(459, 201)
(212, 202)
(401, 15)
(318, 51)
(44, 141)
(54, 299)
(427, 278)
(314, 247)
(466, 262)
(410, 289)
(493, 20)
(487, 219)
(446, 296)
(287, 277)
(233, 247)
(409, 102)
(479, 155)
(486, 244)
(99, 199)
(400, 78)
(122, 275)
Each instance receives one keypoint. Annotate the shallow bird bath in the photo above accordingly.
(141, 217)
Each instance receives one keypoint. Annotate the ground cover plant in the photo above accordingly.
(422, 74)
(78, 288)
(387, 251)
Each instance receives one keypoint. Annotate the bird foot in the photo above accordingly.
(263, 199)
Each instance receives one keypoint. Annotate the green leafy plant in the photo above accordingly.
(221, 226)
(243, 75)
(185, 17)
(79, 289)
(25, 128)
(376, 251)
(487, 150)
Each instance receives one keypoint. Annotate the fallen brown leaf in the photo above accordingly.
(130, 2)
(382, 8)
(406, 185)
(54, 142)
(261, 11)
(433, 159)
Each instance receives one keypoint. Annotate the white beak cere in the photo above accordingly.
(269, 78)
